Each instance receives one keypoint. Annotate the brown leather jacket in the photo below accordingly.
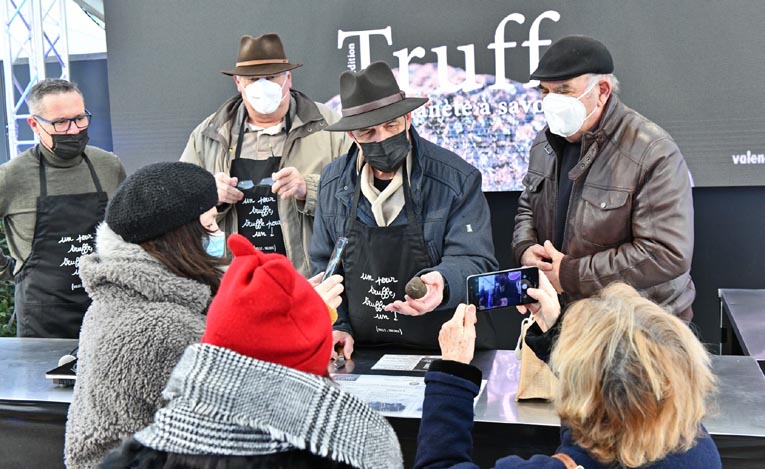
(630, 216)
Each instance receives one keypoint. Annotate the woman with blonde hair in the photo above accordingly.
(633, 382)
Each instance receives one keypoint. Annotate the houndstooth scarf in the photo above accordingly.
(225, 403)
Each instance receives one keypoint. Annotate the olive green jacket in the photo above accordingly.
(308, 149)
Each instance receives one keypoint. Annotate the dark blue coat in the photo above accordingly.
(448, 201)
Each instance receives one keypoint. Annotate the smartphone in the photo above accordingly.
(335, 258)
(502, 288)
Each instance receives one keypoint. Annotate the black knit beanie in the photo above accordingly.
(159, 198)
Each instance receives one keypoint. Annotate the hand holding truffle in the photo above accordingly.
(416, 288)
(429, 286)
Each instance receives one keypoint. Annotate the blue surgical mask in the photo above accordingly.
(214, 243)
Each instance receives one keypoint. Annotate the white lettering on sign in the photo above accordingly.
(351, 57)
(749, 158)
(404, 56)
(389, 330)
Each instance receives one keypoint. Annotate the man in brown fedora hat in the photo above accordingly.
(408, 207)
(607, 195)
(266, 148)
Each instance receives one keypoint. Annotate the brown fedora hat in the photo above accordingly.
(372, 97)
(261, 56)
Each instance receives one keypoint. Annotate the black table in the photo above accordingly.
(742, 320)
(33, 409)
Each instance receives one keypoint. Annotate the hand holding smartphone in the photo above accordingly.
(335, 258)
(502, 288)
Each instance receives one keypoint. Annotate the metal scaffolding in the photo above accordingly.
(35, 36)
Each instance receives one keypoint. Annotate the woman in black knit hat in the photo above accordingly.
(151, 282)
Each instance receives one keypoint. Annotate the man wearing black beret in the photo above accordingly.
(607, 196)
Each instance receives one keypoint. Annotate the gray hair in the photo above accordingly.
(49, 86)
(610, 77)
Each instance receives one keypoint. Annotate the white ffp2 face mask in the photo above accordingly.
(565, 114)
(265, 95)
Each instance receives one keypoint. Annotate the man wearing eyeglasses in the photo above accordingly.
(52, 197)
(266, 148)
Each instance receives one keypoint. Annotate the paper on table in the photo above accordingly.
(405, 362)
(393, 396)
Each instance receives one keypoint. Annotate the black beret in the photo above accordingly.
(573, 56)
(159, 198)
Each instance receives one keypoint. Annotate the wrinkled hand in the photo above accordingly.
(330, 289)
(457, 336)
(288, 182)
(546, 310)
(227, 191)
(435, 283)
(536, 256)
(344, 340)
(553, 275)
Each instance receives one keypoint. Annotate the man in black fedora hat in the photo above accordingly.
(266, 148)
(408, 207)
(607, 196)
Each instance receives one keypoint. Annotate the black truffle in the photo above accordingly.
(416, 288)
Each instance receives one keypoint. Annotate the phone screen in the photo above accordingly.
(335, 258)
(503, 288)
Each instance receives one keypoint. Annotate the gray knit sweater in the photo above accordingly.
(20, 188)
(141, 320)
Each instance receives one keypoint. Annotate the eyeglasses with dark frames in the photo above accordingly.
(63, 125)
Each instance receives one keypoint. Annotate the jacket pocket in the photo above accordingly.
(606, 218)
(533, 182)
(435, 259)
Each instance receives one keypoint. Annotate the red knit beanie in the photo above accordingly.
(265, 309)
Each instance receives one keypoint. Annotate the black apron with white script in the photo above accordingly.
(257, 213)
(50, 299)
(378, 263)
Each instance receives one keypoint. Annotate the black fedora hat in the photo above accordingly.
(372, 97)
(261, 56)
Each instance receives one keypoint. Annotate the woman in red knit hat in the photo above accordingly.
(255, 392)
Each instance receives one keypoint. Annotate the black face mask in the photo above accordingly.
(69, 146)
(387, 156)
